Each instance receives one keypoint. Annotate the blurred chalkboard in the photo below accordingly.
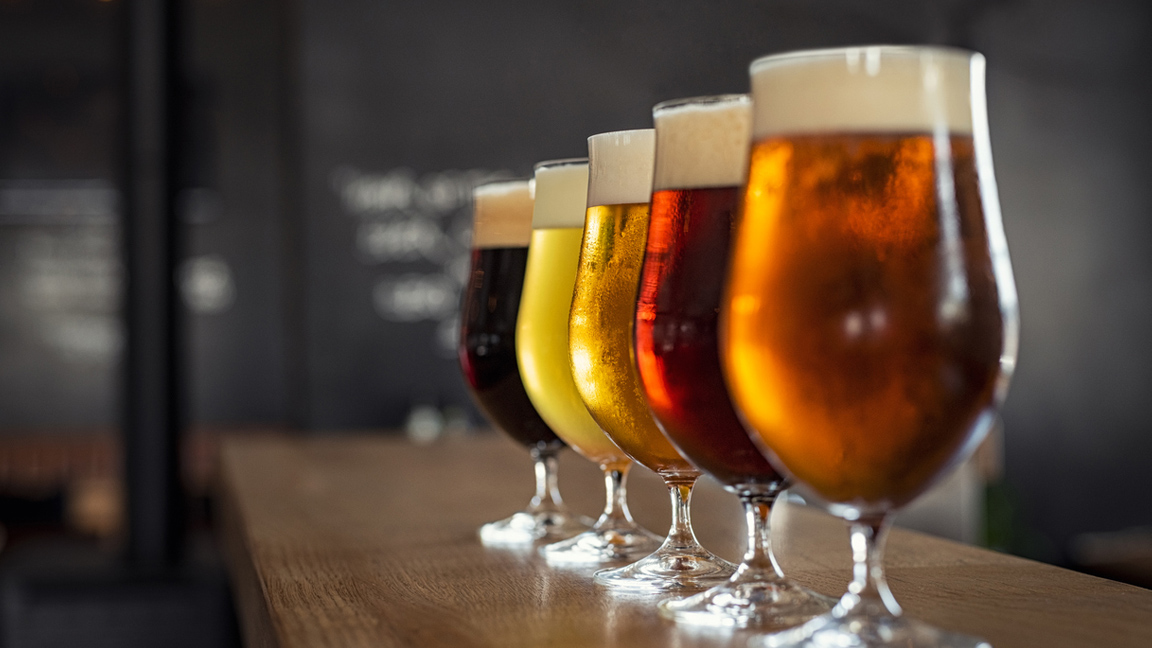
(405, 105)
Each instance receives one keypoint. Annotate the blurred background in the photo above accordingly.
(328, 152)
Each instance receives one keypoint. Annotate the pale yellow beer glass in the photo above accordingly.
(542, 355)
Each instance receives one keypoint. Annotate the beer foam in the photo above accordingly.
(502, 214)
(880, 88)
(620, 167)
(702, 142)
(561, 194)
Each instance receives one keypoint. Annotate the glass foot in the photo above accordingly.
(525, 528)
(746, 601)
(839, 630)
(669, 569)
(601, 546)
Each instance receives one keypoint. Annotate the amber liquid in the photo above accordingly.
(863, 332)
(488, 345)
(677, 350)
(600, 336)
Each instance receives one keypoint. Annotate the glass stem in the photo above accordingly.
(616, 511)
(547, 496)
(868, 593)
(759, 559)
(681, 534)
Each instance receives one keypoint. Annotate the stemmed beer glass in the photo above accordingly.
(701, 162)
(542, 354)
(501, 225)
(600, 340)
(869, 327)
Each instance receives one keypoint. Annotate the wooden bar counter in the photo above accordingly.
(371, 541)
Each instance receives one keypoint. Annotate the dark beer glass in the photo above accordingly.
(502, 224)
(701, 161)
(870, 325)
(600, 338)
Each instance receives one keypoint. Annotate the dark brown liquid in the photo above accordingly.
(676, 327)
(864, 329)
(488, 345)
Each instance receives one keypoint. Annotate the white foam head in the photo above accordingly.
(502, 214)
(620, 167)
(561, 192)
(702, 142)
(869, 89)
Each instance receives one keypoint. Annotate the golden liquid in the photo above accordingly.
(863, 329)
(542, 345)
(600, 336)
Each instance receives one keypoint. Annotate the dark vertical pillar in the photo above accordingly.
(293, 213)
(152, 368)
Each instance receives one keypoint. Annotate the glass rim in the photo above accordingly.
(702, 100)
(548, 164)
(884, 50)
(617, 133)
(488, 184)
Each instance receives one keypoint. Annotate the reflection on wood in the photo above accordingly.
(361, 541)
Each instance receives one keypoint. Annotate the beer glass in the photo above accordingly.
(542, 354)
(502, 222)
(603, 363)
(870, 324)
(701, 162)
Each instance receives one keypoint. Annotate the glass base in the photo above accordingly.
(526, 528)
(747, 601)
(862, 631)
(669, 569)
(602, 546)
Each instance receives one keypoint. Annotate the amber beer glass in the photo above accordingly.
(870, 322)
(701, 161)
(501, 225)
(603, 365)
(542, 355)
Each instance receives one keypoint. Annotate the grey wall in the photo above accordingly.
(1069, 102)
(59, 280)
(60, 334)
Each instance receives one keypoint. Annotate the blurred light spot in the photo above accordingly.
(404, 239)
(84, 338)
(69, 271)
(424, 424)
(448, 336)
(853, 325)
(411, 298)
(363, 193)
(206, 284)
(460, 269)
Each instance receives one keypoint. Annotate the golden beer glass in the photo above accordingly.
(870, 324)
(600, 339)
(542, 356)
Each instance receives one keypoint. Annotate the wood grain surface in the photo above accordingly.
(370, 541)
